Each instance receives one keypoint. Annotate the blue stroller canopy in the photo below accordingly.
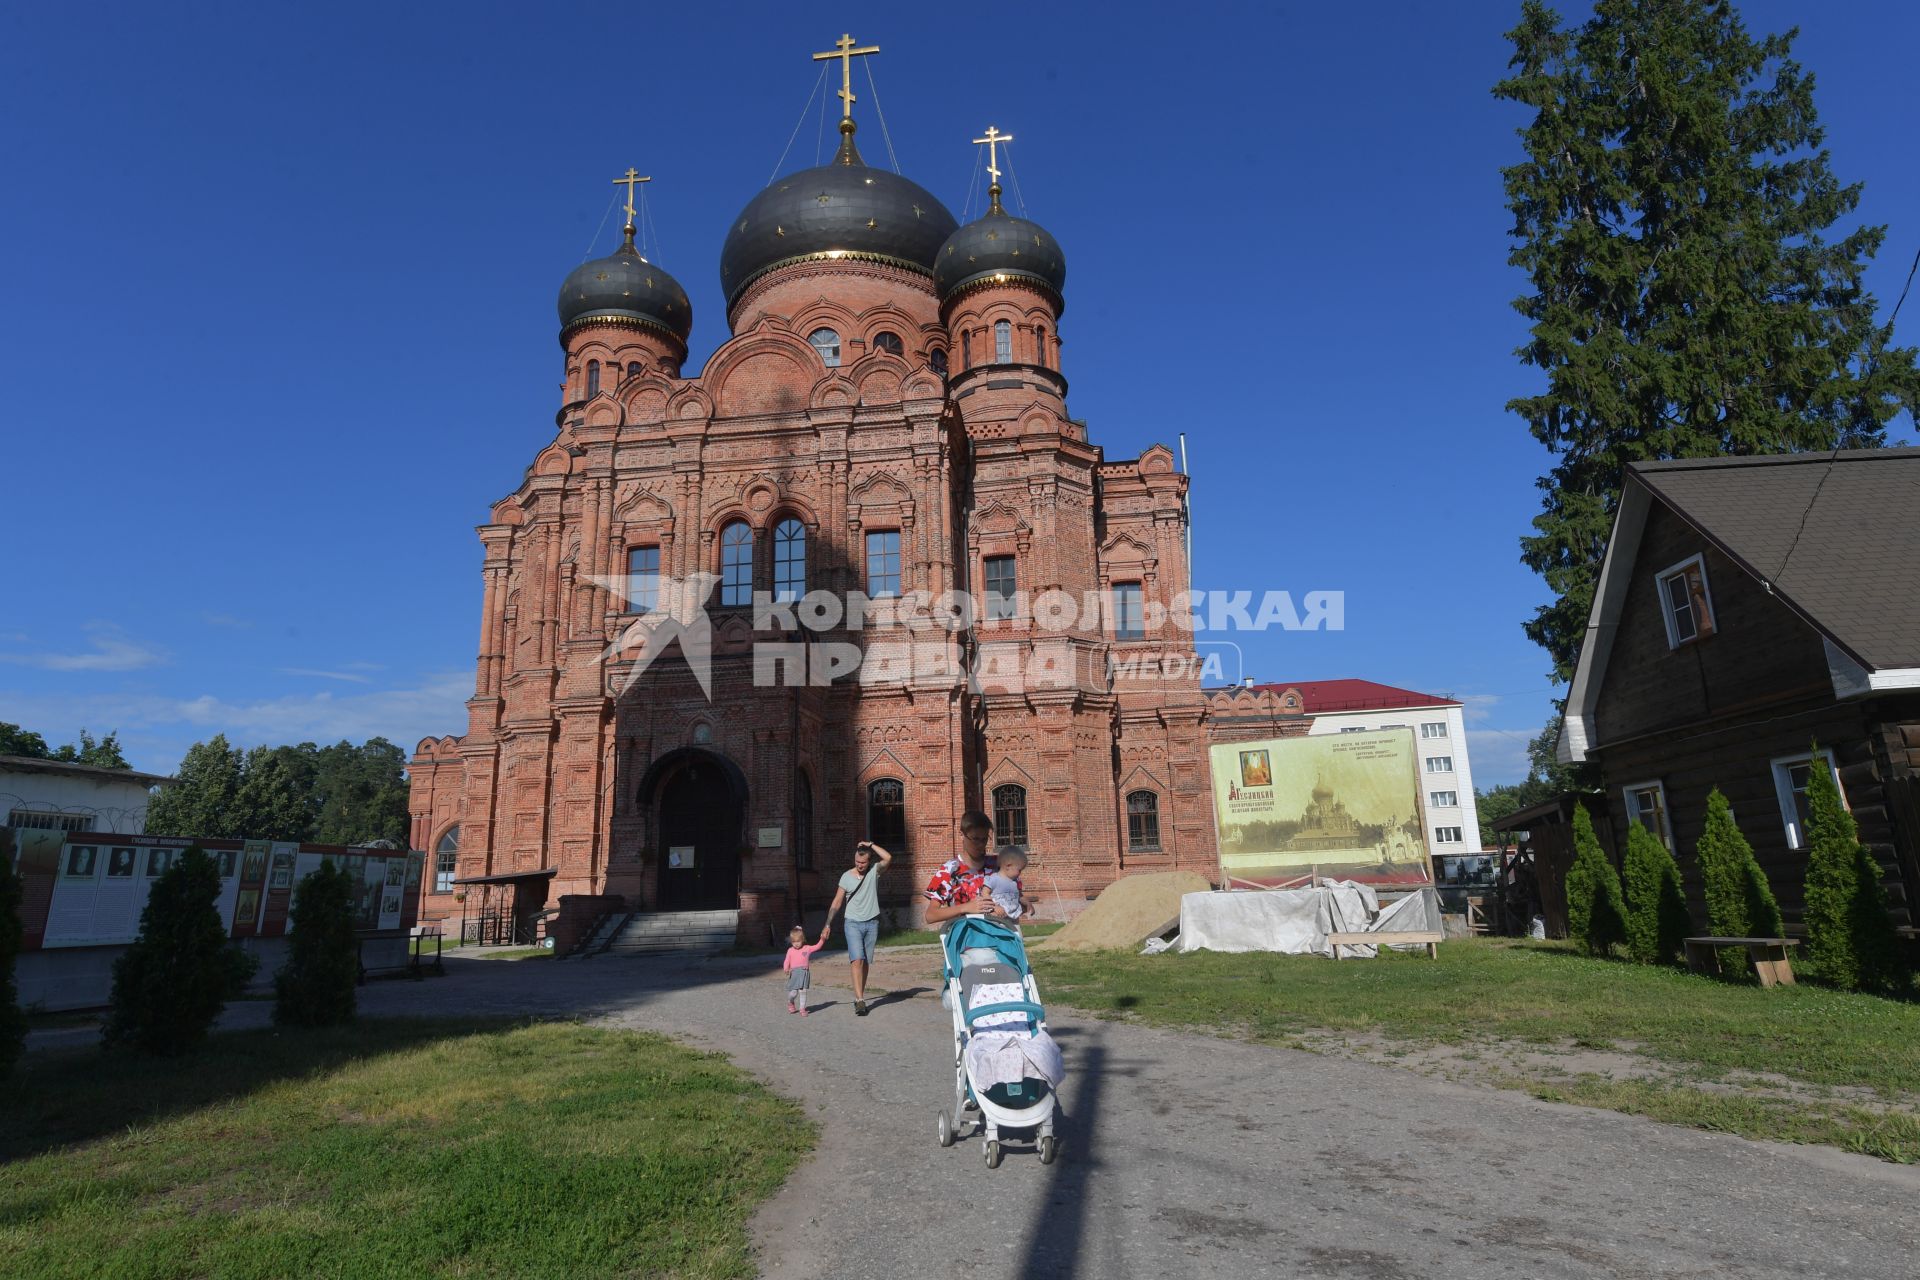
(969, 932)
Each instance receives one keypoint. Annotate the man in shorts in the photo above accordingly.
(859, 892)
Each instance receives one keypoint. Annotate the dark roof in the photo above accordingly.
(1835, 535)
(39, 764)
(625, 287)
(1318, 697)
(998, 246)
(839, 210)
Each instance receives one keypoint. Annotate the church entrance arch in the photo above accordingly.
(700, 807)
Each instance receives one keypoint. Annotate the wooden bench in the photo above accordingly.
(1411, 937)
(1769, 956)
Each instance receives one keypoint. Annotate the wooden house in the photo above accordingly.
(1747, 609)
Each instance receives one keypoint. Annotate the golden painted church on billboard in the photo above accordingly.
(887, 421)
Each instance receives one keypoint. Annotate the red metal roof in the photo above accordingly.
(1318, 697)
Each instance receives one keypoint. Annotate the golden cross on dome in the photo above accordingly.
(630, 179)
(992, 143)
(844, 49)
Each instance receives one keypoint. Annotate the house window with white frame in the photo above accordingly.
(1790, 776)
(1684, 603)
(1434, 729)
(1647, 805)
(1439, 764)
(1446, 835)
(1443, 799)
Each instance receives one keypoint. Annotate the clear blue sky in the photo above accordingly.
(277, 291)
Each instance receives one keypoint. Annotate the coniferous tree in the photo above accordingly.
(315, 988)
(1740, 902)
(1596, 916)
(1657, 918)
(201, 802)
(1672, 215)
(170, 985)
(13, 1023)
(1850, 937)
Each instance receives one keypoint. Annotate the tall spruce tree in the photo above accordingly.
(1850, 938)
(1740, 902)
(1596, 916)
(1671, 215)
(1657, 917)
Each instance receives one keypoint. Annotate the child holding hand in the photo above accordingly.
(799, 969)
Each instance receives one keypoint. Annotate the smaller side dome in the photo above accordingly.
(625, 288)
(996, 246)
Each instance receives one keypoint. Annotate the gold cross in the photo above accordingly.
(629, 180)
(993, 140)
(844, 50)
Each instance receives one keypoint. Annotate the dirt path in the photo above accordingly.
(1194, 1157)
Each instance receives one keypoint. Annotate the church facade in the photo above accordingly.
(886, 427)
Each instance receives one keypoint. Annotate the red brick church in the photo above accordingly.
(888, 417)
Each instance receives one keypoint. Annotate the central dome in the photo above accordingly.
(840, 210)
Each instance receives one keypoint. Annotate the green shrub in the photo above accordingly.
(1850, 938)
(1596, 917)
(1740, 903)
(1657, 917)
(315, 988)
(13, 1023)
(181, 970)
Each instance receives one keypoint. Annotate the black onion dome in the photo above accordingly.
(625, 287)
(843, 210)
(999, 244)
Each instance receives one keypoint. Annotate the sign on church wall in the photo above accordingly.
(1344, 805)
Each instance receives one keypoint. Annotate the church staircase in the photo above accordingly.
(654, 932)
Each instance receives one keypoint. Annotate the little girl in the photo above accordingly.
(799, 969)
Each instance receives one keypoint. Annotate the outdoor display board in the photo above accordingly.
(1344, 805)
(88, 888)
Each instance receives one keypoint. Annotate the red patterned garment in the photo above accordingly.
(955, 883)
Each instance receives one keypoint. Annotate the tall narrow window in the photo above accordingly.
(789, 560)
(1129, 619)
(1010, 814)
(446, 856)
(803, 821)
(1002, 342)
(643, 579)
(887, 814)
(1143, 822)
(938, 359)
(883, 563)
(1040, 347)
(1684, 603)
(1000, 587)
(593, 378)
(736, 564)
(827, 343)
(889, 343)
(633, 368)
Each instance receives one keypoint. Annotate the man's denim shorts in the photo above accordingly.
(860, 938)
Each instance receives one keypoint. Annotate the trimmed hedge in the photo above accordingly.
(1658, 921)
(1850, 937)
(181, 970)
(1740, 902)
(315, 988)
(1596, 915)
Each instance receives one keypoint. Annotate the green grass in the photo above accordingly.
(517, 953)
(1485, 994)
(391, 1148)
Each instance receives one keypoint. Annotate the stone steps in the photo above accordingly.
(702, 932)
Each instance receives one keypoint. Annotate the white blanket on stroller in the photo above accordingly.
(1004, 1056)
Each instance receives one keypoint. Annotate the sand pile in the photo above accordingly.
(1128, 912)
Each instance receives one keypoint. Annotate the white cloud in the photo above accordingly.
(1499, 755)
(326, 675)
(112, 651)
(1475, 708)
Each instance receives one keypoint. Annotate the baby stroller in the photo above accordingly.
(1004, 1062)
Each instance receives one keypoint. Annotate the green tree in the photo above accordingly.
(103, 752)
(315, 988)
(15, 741)
(1740, 903)
(200, 803)
(170, 985)
(1671, 214)
(13, 1023)
(1850, 937)
(1657, 917)
(361, 793)
(275, 798)
(1596, 916)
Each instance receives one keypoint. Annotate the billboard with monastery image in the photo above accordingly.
(1342, 805)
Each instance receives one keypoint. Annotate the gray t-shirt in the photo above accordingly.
(863, 893)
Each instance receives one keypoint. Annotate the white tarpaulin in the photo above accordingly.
(1297, 921)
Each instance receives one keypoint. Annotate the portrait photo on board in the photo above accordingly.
(120, 864)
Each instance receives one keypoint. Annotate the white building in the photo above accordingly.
(1440, 733)
(58, 795)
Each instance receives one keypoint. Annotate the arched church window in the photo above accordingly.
(1143, 822)
(827, 343)
(634, 368)
(1040, 347)
(593, 378)
(446, 855)
(736, 564)
(1009, 814)
(938, 359)
(889, 343)
(789, 560)
(1002, 342)
(803, 820)
(887, 814)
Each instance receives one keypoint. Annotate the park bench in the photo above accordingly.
(1410, 937)
(1769, 956)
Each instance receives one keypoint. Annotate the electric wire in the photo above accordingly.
(797, 124)
(1019, 200)
(602, 227)
(886, 136)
